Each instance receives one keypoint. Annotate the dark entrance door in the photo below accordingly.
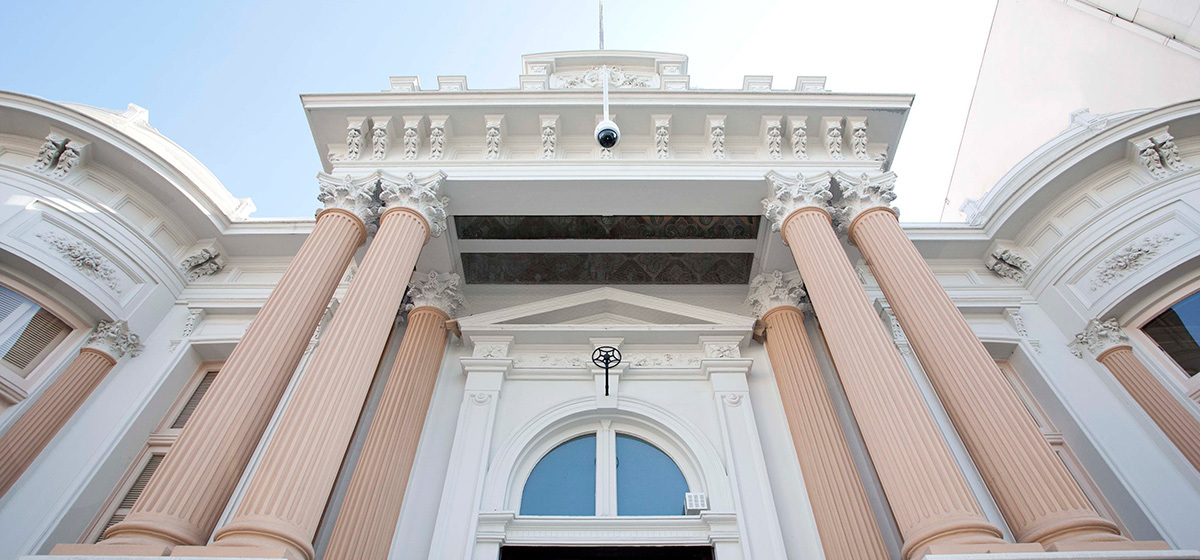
(606, 553)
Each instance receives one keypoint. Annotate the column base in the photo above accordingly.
(958, 549)
(1106, 546)
(1080, 555)
(86, 550)
(218, 551)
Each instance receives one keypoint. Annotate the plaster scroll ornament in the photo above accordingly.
(789, 195)
(800, 140)
(858, 140)
(594, 78)
(775, 140)
(437, 289)
(771, 290)
(379, 141)
(833, 139)
(1130, 258)
(412, 140)
(71, 155)
(1168, 152)
(49, 152)
(205, 262)
(492, 139)
(420, 194)
(356, 196)
(1098, 336)
(1006, 263)
(716, 139)
(1149, 157)
(490, 351)
(83, 257)
(862, 194)
(549, 139)
(662, 139)
(720, 351)
(732, 399)
(354, 142)
(437, 140)
(114, 338)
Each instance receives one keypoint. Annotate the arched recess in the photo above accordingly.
(696, 458)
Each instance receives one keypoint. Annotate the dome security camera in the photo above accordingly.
(607, 134)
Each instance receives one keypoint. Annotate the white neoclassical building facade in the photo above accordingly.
(499, 340)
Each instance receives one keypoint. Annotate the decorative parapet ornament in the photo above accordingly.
(1006, 263)
(1099, 336)
(114, 339)
(862, 194)
(420, 194)
(83, 257)
(771, 290)
(1130, 258)
(440, 290)
(357, 196)
(593, 78)
(790, 195)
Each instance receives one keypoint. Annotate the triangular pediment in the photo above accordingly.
(605, 306)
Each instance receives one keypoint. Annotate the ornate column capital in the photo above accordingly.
(774, 289)
(1098, 337)
(436, 289)
(862, 194)
(789, 195)
(422, 194)
(357, 196)
(113, 338)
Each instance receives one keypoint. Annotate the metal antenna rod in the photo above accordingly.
(601, 24)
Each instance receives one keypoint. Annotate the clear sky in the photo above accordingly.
(222, 79)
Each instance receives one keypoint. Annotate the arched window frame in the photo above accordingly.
(606, 430)
(1155, 307)
(14, 388)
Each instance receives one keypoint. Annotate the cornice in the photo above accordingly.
(587, 97)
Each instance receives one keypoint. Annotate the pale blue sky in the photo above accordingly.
(222, 79)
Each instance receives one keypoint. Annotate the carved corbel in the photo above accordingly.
(716, 136)
(73, 155)
(356, 130)
(858, 137)
(1157, 153)
(771, 131)
(381, 137)
(204, 259)
(410, 138)
(48, 153)
(1007, 263)
(832, 127)
(662, 135)
(549, 131)
(493, 136)
(798, 134)
(439, 131)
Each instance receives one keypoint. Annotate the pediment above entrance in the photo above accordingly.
(606, 312)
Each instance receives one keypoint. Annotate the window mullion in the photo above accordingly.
(606, 470)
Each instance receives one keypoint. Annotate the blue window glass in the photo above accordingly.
(564, 481)
(648, 481)
(1177, 332)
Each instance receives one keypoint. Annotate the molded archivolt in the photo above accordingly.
(697, 458)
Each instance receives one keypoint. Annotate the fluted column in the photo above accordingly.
(1039, 498)
(928, 495)
(371, 509)
(844, 518)
(1110, 345)
(26, 438)
(183, 500)
(286, 496)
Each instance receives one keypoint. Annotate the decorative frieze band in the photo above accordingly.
(114, 339)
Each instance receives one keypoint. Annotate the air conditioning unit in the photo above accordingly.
(694, 503)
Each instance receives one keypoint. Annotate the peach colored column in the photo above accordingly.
(287, 494)
(371, 509)
(184, 499)
(1111, 347)
(26, 438)
(844, 518)
(929, 497)
(1040, 500)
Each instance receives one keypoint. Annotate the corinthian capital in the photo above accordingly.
(862, 194)
(773, 289)
(440, 290)
(791, 194)
(356, 196)
(114, 339)
(1099, 336)
(419, 194)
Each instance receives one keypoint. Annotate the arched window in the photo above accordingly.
(605, 473)
(1177, 332)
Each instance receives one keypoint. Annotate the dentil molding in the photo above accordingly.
(114, 339)
(420, 194)
(1099, 336)
(789, 195)
(771, 290)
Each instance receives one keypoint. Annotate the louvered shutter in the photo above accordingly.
(134, 492)
(40, 335)
(193, 401)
